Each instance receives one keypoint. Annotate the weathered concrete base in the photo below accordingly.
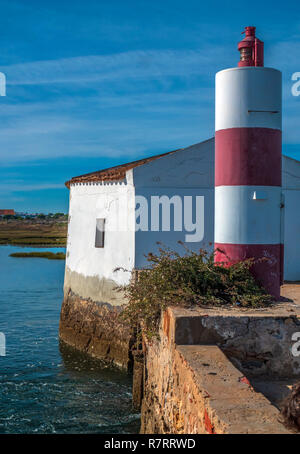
(257, 341)
(195, 389)
(93, 287)
(95, 328)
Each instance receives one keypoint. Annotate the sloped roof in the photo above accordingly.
(116, 173)
(290, 173)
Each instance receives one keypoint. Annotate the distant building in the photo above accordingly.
(7, 212)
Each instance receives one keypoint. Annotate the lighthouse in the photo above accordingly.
(248, 200)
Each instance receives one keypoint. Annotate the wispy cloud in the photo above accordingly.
(127, 118)
(9, 188)
(126, 65)
(121, 104)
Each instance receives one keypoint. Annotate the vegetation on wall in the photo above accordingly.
(192, 279)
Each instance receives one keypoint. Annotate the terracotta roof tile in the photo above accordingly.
(116, 173)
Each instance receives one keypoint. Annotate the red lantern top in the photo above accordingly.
(251, 49)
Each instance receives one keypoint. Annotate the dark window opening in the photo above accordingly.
(100, 230)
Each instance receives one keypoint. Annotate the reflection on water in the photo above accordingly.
(46, 387)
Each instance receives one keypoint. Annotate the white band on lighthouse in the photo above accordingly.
(248, 97)
(247, 214)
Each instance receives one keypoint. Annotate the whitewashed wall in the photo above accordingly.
(188, 172)
(291, 191)
(90, 270)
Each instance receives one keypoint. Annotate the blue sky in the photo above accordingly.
(91, 84)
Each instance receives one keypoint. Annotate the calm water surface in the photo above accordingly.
(45, 387)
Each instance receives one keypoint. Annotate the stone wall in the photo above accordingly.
(95, 328)
(195, 389)
(257, 341)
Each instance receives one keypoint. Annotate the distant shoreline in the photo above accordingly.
(39, 233)
(47, 255)
(33, 245)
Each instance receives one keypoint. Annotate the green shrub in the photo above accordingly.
(192, 279)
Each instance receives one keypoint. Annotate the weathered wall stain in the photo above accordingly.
(96, 329)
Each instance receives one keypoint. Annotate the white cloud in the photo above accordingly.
(127, 65)
(9, 187)
(133, 106)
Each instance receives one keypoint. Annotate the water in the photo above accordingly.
(46, 387)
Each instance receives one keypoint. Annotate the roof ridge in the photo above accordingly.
(115, 173)
(118, 172)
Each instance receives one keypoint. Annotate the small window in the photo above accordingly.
(100, 228)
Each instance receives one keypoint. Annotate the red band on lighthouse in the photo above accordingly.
(268, 266)
(243, 157)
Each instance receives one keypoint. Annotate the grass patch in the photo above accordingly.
(32, 232)
(45, 255)
(192, 279)
(37, 241)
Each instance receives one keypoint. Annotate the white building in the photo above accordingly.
(106, 200)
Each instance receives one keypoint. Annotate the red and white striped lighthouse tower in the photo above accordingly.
(248, 165)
